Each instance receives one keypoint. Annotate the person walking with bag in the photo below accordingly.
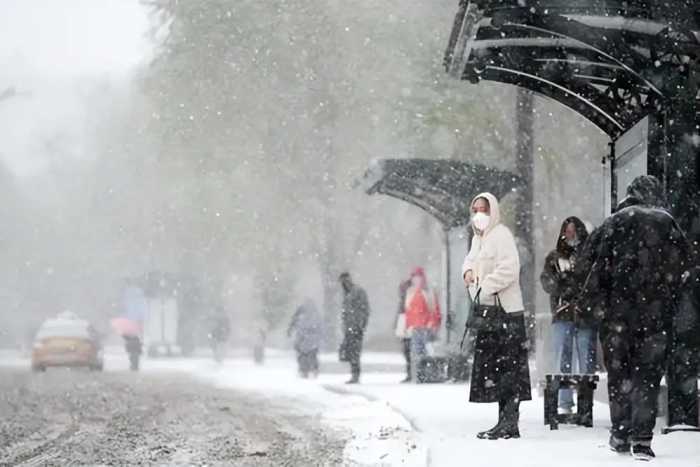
(570, 329)
(491, 272)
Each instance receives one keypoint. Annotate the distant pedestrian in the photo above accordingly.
(491, 270)
(219, 333)
(132, 344)
(423, 318)
(306, 328)
(355, 316)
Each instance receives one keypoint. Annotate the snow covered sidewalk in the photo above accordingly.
(447, 425)
(431, 425)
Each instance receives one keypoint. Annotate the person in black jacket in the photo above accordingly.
(354, 316)
(133, 347)
(631, 269)
(569, 330)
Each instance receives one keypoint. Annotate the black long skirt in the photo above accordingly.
(501, 370)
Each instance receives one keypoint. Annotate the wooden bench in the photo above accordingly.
(584, 385)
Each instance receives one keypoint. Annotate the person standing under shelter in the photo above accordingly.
(491, 271)
(354, 317)
(570, 330)
(423, 318)
(631, 269)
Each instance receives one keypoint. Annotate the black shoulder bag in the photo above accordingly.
(485, 318)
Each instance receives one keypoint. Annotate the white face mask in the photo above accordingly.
(481, 221)
(572, 242)
(416, 281)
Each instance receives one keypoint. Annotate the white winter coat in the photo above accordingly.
(494, 262)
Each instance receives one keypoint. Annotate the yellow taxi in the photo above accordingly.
(66, 341)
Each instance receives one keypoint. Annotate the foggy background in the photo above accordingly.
(220, 141)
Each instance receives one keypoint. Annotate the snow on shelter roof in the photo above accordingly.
(613, 62)
(442, 187)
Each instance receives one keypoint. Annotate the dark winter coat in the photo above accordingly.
(631, 266)
(501, 370)
(132, 344)
(354, 316)
(221, 327)
(561, 285)
(631, 269)
(306, 327)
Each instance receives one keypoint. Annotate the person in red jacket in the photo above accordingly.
(423, 317)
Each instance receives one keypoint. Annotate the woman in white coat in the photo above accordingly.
(492, 268)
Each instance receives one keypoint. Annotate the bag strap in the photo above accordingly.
(498, 301)
(475, 302)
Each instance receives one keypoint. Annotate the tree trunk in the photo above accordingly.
(524, 166)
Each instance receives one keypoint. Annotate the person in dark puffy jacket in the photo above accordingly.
(569, 330)
(631, 269)
(354, 316)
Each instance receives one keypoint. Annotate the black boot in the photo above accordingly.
(408, 378)
(620, 445)
(487, 433)
(642, 451)
(355, 369)
(509, 427)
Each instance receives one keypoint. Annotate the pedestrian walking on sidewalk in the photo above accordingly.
(354, 317)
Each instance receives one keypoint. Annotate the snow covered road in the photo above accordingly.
(384, 423)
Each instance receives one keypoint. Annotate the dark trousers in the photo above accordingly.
(352, 349)
(407, 355)
(635, 362)
(308, 362)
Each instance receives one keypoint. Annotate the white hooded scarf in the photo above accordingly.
(494, 261)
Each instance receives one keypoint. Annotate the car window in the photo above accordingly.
(65, 328)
